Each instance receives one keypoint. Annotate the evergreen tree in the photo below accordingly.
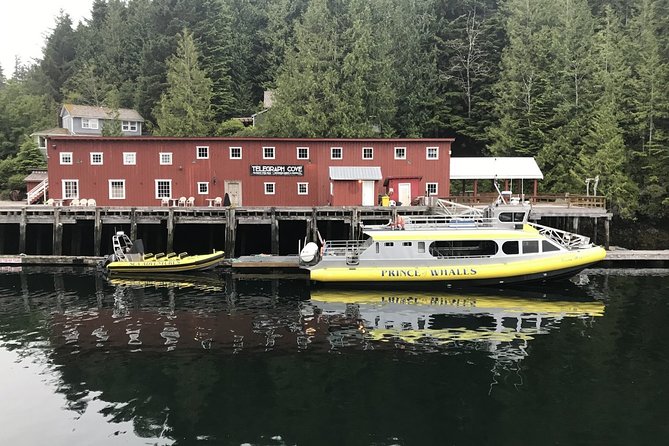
(185, 107)
(59, 56)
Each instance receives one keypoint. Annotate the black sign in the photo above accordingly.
(277, 170)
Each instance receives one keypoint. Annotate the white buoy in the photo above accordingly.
(308, 253)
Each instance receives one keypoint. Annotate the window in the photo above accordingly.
(96, 158)
(389, 244)
(530, 246)
(129, 158)
(163, 188)
(407, 244)
(303, 153)
(129, 126)
(421, 246)
(42, 142)
(89, 123)
(268, 153)
(508, 217)
(270, 188)
(547, 246)
(432, 153)
(431, 189)
(202, 188)
(202, 152)
(70, 189)
(400, 153)
(463, 248)
(302, 188)
(336, 153)
(368, 153)
(65, 157)
(165, 158)
(117, 189)
(510, 248)
(235, 153)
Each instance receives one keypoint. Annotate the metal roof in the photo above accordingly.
(355, 173)
(89, 111)
(510, 168)
(37, 176)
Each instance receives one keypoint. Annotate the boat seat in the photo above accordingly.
(172, 254)
(183, 254)
(159, 255)
(148, 255)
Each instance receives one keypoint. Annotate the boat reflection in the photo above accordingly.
(501, 324)
(202, 281)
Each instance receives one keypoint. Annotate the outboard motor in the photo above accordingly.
(309, 254)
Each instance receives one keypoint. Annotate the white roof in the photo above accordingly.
(508, 168)
(355, 173)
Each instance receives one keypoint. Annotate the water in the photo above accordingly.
(205, 360)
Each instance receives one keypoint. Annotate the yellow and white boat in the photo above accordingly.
(498, 246)
(130, 258)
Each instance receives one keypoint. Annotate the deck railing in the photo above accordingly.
(563, 200)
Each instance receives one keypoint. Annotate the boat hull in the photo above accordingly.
(171, 265)
(564, 264)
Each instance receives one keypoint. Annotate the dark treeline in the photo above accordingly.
(580, 85)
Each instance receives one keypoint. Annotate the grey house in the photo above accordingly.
(88, 120)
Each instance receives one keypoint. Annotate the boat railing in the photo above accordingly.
(566, 239)
(453, 209)
(344, 248)
(417, 222)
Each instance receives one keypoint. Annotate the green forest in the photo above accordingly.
(581, 85)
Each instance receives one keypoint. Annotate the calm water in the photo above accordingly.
(204, 360)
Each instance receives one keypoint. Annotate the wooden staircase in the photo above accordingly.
(38, 192)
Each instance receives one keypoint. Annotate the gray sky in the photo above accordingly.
(24, 25)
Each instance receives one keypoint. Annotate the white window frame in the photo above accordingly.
(165, 163)
(199, 189)
(436, 189)
(63, 160)
(204, 155)
(371, 149)
(404, 151)
(161, 180)
(90, 123)
(111, 195)
(436, 153)
(306, 188)
(95, 163)
(332, 153)
(129, 158)
(129, 126)
(235, 157)
(67, 196)
(302, 157)
(266, 156)
(273, 186)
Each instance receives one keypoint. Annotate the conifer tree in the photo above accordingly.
(185, 107)
(59, 56)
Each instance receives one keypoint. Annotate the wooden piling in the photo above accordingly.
(97, 233)
(23, 229)
(230, 233)
(133, 224)
(170, 231)
(606, 233)
(57, 234)
(274, 232)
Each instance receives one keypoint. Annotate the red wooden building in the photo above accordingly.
(145, 171)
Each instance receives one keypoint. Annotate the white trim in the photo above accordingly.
(102, 159)
(111, 197)
(363, 153)
(341, 153)
(298, 153)
(199, 191)
(91, 123)
(273, 188)
(64, 195)
(160, 158)
(129, 126)
(306, 192)
(63, 155)
(235, 157)
(134, 159)
(156, 187)
(427, 153)
(400, 157)
(269, 157)
(436, 189)
(197, 152)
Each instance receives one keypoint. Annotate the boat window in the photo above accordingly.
(509, 217)
(530, 246)
(377, 247)
(389, 244)
(421, 246)
(547, 246)
(510, 247)
(407, 243)
(463, 248)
